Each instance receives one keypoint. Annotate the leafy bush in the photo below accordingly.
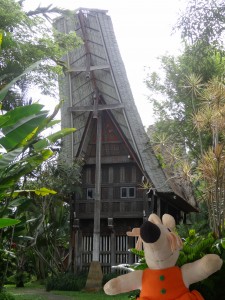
(212, 287)
(19, 278)
(196, 246)
(7, 258)
(6, 296)
(198, 221)
(107, 277)
(66, 282)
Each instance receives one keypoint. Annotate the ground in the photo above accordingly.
(48, 295)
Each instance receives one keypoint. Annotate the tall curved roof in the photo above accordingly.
(97, 80)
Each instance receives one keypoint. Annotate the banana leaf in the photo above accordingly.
(45, 142)
(5, 222)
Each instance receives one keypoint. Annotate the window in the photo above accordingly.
(90, 193)
(127, 192)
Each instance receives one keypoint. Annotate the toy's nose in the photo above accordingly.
(150, 232)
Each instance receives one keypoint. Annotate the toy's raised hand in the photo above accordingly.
(124, 283)
(201, 269)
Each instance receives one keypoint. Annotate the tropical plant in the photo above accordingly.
(6, 296)
(28, 37)
(175, 97)
(23, 150)
(196, 246)
(22, 147)
(67, 282)
(189, 106)
(196, 221)
(41, 240)
(30, 53)
(203, 21)
(190, 122)
(210, 118)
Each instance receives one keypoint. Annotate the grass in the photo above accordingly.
(21, 294)
(92, 295)
(29, 297)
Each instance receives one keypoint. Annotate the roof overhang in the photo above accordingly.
(179, 202)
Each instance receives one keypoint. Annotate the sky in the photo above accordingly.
(143, 31)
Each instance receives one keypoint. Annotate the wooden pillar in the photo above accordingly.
(75, 261)
(159, 207)
(78, 251)
(97, 204)
(130, 246)
(72, 240)
(113, 248)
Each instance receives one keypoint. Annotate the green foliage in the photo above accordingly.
(6, 40)
(10, 14)
(19, 278)
(203, 21)
(5, 86)
(66, 282)
(5, 222)
(30, 53)
(195, 247)
(6, 296)
(212, 287)
(189, 106)
(21, 153)
(20, 128)
(108, 276)
(28, 37)
(134, 294)
(174, 101)
(6, 257)
(197, 221)
(141, 265)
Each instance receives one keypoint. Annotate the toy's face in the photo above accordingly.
(161, 245)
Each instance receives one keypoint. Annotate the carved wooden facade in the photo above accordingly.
(111, 140)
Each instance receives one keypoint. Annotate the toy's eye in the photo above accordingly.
(169, 229)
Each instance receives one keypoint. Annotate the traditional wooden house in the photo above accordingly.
(111, 140)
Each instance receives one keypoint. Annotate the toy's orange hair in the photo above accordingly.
(175, 241)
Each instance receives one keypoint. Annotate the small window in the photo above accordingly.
(131, 192)
(127, 192)
(123, 192)
(90, 193)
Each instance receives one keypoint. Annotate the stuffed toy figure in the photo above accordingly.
(163, 279)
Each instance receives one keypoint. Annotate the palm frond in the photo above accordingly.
(50, 9)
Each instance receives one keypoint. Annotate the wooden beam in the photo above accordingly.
(95, 106)
(84, 69)
(91, 108)
(97, 203)
(88, 65)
